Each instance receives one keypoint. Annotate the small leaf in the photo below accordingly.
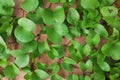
(55, 68)
(104, 66)
(29, 5)
(87, 50)
(22, 59)
(42, 74)
(56, 77)
(29, 47)
(53, 36)
(23, 35)
(41, 47)
(83, 66)
(89, 65)
(61, 29)
(66, 66)
(109, 11)
(11, 71)
(99, 29)
(89, 4)
(73, 16)
(87, 78)
(48, 18)
(59, 14)
(96, 40)
(27, 24)
(69, 61)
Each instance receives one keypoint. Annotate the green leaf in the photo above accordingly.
(54, 52)
(22, 59)
(56, 77)
(83, 66)
(89, 4)
(87, 50)
(9, 3)
(104, 66)
(23, 35)
(115, 51)
(55, 68)
(2, 42)
(72, 77)
(69, 61)
(89, 65)
(53, 36)
(27, 24)
(46, 45)
(41, 47)
(5, 10)
(100, 30)
(29, 5)
(48, 18)
(87, 78)
(41, 65)
(114, 77)
(73, 16)
(3, 62)
(61, 29)
(66, 66)
(59, 14)
(11, 71)
(42, 74)
(109, 11)
(53, 1)
(29, 47)
(96, 40)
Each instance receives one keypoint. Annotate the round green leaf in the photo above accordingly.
(27, 24)
(48, 17)
(61, 29)
(89, 4)
(109, 11)
(22, 60)
(87, 50)
(73, 16)
(59, 14)
(30, 5)
(114, 51)
(100, 29)
(42, 74)
(23, 35)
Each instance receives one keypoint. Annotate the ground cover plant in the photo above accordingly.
(95, 20)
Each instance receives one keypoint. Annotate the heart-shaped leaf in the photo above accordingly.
(27, 24)
(23, 35)
(22, 59)
(109, 11)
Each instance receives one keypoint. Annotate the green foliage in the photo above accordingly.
(80, 35)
